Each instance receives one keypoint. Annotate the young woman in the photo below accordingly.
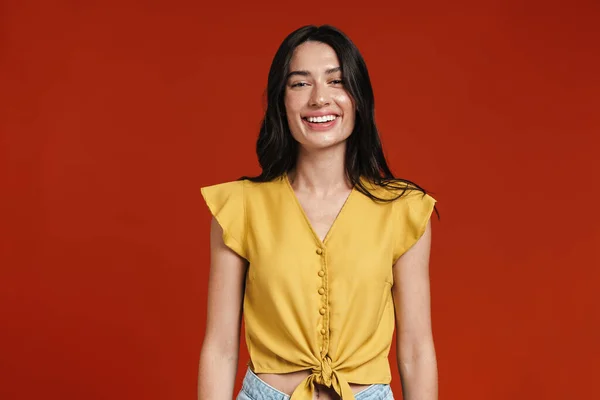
(326, 252)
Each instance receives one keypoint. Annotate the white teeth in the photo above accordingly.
(325, 118)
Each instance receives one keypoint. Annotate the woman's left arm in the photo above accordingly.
(415, 354)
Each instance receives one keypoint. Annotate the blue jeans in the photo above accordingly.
(254, 388)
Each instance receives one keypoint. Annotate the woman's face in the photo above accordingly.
(320, 112)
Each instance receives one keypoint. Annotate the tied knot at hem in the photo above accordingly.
(324, 374)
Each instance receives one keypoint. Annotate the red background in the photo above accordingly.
(113, 114)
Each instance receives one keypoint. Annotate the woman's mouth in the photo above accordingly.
(321, 123)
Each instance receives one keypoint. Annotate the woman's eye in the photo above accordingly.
(298, 84)
(337, 81)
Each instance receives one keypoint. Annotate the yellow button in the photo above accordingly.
(322, 311)
(323, 331)
(319, 251)
(321, 273)
(321, 291)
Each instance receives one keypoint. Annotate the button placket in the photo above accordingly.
(323, 292)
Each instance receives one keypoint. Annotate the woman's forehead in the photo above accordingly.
(314, 57)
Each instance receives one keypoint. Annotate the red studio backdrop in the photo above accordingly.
(114, 114)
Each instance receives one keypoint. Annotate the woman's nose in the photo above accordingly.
(319, 97)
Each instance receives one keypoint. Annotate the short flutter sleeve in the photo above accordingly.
(227, 205)
(412, 212)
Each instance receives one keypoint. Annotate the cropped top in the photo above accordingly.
(324, 306)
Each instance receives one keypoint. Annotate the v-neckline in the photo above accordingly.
(307, 220)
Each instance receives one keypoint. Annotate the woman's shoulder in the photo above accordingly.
(242, 187)
(393, 191)
(222, 191)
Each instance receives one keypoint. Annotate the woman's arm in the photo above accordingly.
(220, 349)
(414, 339)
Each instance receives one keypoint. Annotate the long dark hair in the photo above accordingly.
(277, 149)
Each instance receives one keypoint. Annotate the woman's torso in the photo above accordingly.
(321, 216)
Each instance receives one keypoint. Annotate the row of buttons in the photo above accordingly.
(321, 273)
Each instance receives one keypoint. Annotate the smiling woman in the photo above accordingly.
(324, 253)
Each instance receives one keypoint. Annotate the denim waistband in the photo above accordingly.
(257, 389)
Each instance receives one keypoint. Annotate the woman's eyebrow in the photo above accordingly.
(307, 73)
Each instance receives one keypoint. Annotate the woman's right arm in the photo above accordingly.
(220, 348)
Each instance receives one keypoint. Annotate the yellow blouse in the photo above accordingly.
(311, 304)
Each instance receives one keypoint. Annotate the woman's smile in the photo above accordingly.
(320, 124)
